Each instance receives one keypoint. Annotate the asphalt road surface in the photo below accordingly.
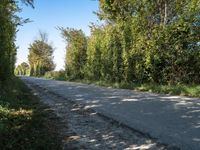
(172, 120)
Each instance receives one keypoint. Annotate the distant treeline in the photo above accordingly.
(139, 41)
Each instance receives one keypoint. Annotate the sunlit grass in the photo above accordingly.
(4, 111)
(183, 90)
(179, 89)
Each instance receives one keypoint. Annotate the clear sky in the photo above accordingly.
(47, 15)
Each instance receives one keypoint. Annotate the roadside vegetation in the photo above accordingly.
(22, 69)
(143, 45)
(55, 75)
(41, 56)
(25, 123)
(141, 41)
(179, 89)
(8, 28)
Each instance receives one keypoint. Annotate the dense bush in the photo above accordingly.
(140, 41)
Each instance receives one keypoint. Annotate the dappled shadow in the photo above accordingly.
(86, 129)
(25, 123)
(172, 119)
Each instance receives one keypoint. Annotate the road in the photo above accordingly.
(172, 120)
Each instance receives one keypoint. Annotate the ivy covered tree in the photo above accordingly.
(41, 56)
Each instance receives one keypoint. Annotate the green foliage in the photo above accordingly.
(22, 69)
(41, 56)
(179, 89)
(7, 38)
(94, 54)
(55, 75)
(158, 38)
(9, 22)
(75, 52)
(141, 41)
(24, 122)
(112, 62)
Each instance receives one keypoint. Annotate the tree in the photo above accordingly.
(159, 38)
(75, 52)
(140, 41)
(94, 53)
(9, 22)
(41, 56)
(22, 69)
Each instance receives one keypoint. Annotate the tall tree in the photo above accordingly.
(162, 37)
(140, 41)
(9, 22)
(75, 52)
(94, 53)
(41, 56)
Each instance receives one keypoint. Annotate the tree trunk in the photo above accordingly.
(166, 13)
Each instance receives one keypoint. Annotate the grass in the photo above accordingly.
(55, 75)
(25, 123)
(180, 89)
(183, 90)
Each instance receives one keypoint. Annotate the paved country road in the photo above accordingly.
(172, 120)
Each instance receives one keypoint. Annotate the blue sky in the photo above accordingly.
(47, 15)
